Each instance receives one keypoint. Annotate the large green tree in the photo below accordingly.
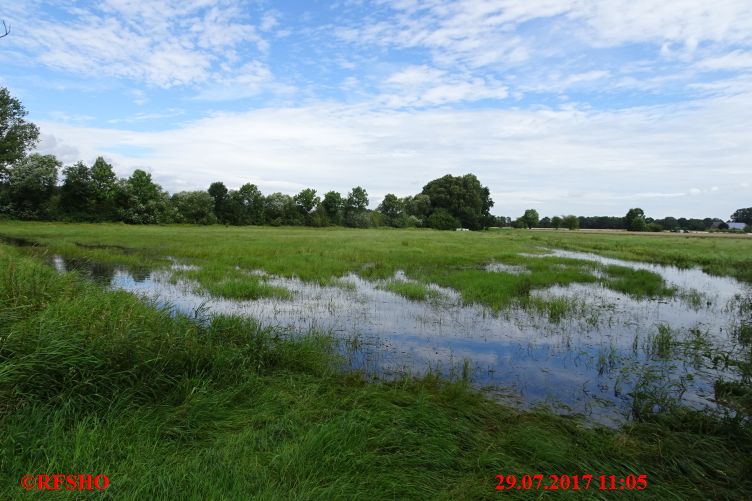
(194, 207)
(743, 216)
(463, 197)
(635, 220)
(142, 201)
(393, 210)
(218, 191)
(105, 186)
(17, 136)
(306, 201)
(530, 218)
(31, 185)
(356, 207)
(77, 192)
(333, 205)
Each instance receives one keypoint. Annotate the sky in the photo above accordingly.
(587, 107)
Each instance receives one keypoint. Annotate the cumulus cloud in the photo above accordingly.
(609, 159)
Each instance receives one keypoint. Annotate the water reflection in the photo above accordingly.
(589, 363)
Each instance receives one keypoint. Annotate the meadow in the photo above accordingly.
(168, 404)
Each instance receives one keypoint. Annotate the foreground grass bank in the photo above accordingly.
(101, 382)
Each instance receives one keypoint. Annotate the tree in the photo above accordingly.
(556, 222)
(218, 192)
(17, 136)
(356, 206)
(306, 202)
(333, 205)
(742, 216)
(418, 206)
(77, 192)
(442, 219)
(463, 197)
(194, 207)
(141, 201)
(635, 220)
(31, 184)
(393, 210)
(530, 218)
(571, 222)
(105, 187)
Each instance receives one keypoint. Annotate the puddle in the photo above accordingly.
(587, 363)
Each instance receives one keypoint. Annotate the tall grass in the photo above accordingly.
(102, 382)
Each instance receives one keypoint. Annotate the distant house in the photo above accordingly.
(462, 229)
(736, 226)
(719, 225)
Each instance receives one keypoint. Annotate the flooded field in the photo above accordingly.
(604, 352)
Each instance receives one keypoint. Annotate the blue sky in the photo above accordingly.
(567, 106)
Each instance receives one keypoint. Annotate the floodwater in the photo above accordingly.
(590, 363)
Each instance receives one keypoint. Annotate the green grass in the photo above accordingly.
(450, 259)
(638, 283)
(415, 291)
(232, 284)
(99, 381)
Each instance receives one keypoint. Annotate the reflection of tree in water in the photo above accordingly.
(139, 273)
(99, 272)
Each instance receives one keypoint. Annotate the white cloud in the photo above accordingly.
(162, 42)
(423, 85)
(567, 160)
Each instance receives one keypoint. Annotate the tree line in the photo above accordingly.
(38, 187)
(634, 220)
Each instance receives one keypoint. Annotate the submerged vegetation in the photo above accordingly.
(162, 403)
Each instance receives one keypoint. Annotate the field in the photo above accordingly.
(187, 394)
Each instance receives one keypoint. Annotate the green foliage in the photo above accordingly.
(393, 210)
(306, 202)
(333, 206)
(571, 222)
(31, 185)
(442, 219)
(355, 207)
(635, 220)
(17, 136)
(141, 201)
(218, 191)
(530, 218)
(463, 197)
(194, 207)
(247, 205)
(742, 216)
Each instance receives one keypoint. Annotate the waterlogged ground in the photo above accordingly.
(592, 356)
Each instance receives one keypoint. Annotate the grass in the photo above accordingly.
(99, 381)
(638, 283)
(449, 259)
(415, 291)
(232, 284)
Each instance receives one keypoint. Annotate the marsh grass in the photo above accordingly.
(323, 256)
(636, 283)
(231, 283)
(663, 342)
(101, 381)
(414, 291)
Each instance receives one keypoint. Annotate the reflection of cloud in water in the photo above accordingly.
(586, 362)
